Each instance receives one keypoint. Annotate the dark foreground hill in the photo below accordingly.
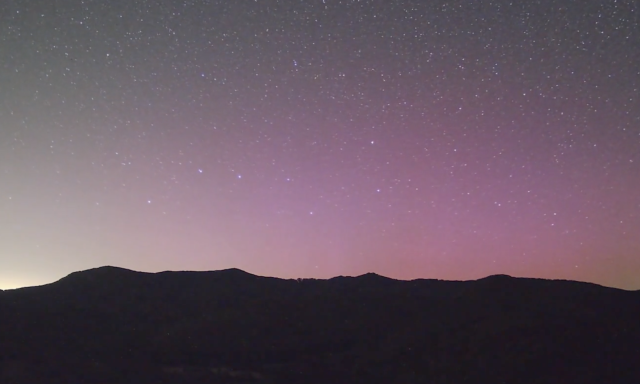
(111, 325)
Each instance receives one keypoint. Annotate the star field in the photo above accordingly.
(414, 139)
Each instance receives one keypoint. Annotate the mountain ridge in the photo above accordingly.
(112, 270)
(114, 325)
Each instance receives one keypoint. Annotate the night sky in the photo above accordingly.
(316, 138)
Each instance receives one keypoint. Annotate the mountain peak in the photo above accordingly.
(498, 277)
(234, 271)
(106, 270)
(374, 276)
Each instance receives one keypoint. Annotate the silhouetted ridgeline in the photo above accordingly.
(112, 325)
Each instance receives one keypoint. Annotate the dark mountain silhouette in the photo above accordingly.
(112, 325)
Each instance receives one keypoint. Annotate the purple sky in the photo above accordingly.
(414, 139)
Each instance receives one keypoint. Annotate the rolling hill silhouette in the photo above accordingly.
(113, 325)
